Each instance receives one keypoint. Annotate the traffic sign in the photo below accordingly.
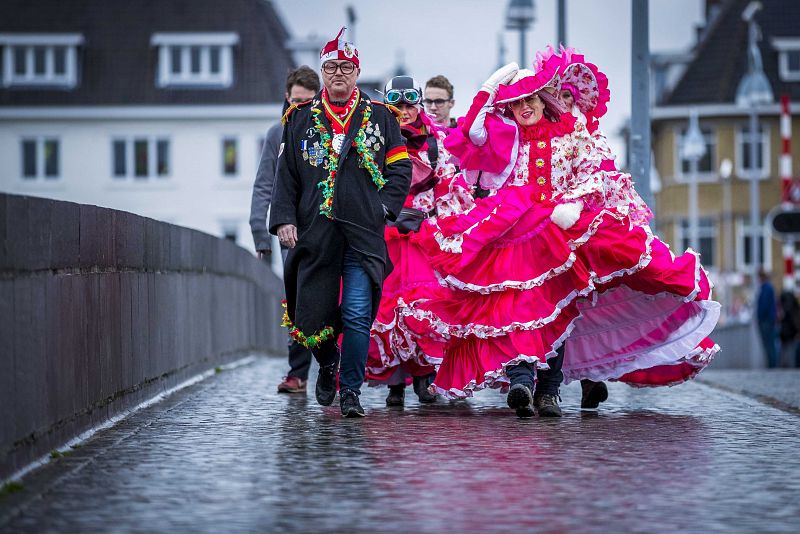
(785, 221)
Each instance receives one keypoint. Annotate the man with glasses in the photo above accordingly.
(301, 85)
(343, 171)
(438, 100)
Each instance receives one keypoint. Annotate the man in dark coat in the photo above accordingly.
(301, 85)
(343, 170)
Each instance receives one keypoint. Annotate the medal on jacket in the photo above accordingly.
(337, 142)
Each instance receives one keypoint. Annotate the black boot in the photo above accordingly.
(348, 401)
(397, 395)
(520, 399)
(593, 394)
(326, 384)
(547, 405)
(421, 384)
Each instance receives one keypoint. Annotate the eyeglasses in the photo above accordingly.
(529, 100)
(347, 67)
(436, 101)
(409, 96)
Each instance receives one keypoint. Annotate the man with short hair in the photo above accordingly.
(301, 85)
(343, 171)
(438, 100)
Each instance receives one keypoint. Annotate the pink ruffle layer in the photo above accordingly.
(625, 307)
(392, 344)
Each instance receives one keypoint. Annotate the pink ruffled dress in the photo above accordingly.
(413, 280)
(519, 286)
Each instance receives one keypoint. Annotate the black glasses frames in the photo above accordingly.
(347, 67)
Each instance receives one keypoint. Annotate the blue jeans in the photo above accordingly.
(356, 322)
(768, 334)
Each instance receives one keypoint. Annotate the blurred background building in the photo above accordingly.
(706, 80)
(158, 107)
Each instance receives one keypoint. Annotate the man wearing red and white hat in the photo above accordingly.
(343, 171)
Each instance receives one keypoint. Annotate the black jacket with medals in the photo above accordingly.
(313, 269)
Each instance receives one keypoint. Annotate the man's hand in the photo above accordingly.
(287, 235)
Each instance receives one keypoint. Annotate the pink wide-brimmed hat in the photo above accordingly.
(527, 82)
(338, 48)
(587, 83)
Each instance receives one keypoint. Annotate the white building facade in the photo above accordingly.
(168, 125)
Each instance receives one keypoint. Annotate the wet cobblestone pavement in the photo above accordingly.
(230, 454)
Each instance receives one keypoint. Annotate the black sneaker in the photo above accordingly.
(397, 395)
(593, 394)
(326, 384)
(421, 384)
(520, 399)
(547, 405)
(348, 400)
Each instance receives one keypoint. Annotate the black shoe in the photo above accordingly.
(547, 405)
(520, 399)
(326, 384)
(348, 400)
(397, 395)
(593, 394)
(421, 384)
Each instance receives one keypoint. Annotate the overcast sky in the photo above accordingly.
(459, 38)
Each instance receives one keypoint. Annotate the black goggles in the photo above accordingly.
(396, 96)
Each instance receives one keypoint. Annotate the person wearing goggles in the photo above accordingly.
(397, 354)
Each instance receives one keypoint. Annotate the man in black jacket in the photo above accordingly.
(301, 85)
(343, 170)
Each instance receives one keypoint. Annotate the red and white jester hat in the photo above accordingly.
(338, 48)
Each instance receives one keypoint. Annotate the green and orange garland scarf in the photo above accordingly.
(366, 160)
(309, 342)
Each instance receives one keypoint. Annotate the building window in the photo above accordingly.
(191, 60)
(744, 253)
(706, 166)
(744, 167)
(706, 240)
(788, 58)
(230, 157)
(140, 158)
(40, 60)
(40, 158)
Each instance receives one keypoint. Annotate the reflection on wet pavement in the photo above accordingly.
(230, 454)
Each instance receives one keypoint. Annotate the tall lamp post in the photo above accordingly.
(693, 149)
(754, 90)
(520, 14)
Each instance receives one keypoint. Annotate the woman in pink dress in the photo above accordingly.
(585, 94)
(545, 265)
(396, 354)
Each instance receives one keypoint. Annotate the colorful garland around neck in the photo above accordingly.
(366, 160)
(309, 342)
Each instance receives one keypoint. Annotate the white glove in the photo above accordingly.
(565, 215)
(502, 75)
(477, 132)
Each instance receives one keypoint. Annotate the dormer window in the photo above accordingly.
(788, 58)
(46, 60)
(192, 60)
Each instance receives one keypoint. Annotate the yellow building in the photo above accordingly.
(706, 82)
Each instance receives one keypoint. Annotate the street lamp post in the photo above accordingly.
(520, 14)
(754, 90)
(694, 148)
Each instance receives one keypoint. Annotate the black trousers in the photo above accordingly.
(299, 361)
(549, 380)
